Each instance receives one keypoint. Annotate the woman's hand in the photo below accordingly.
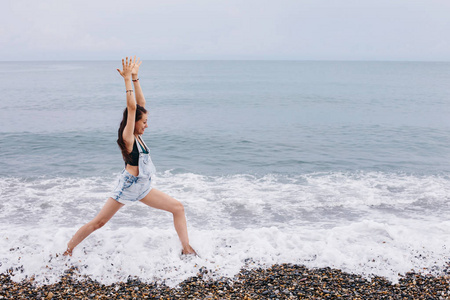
(137, 86)
(137, 64)
(127, 67)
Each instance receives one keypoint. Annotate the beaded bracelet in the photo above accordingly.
(135, 80)
(129, 91)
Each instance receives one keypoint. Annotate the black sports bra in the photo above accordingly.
(135, 154)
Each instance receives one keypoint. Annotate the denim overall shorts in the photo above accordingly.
(130, 188)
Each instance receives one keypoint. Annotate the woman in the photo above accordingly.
(134, 183)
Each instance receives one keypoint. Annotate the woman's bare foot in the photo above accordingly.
(68, 252)
(188, 250)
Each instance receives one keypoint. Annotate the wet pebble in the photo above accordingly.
(284, 281)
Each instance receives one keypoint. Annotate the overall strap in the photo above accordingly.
(139, 146)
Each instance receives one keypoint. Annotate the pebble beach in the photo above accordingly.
(284, 281)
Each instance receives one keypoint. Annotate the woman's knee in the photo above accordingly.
(177, 208)
(97, 224)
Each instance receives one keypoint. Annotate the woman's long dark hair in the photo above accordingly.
(140, 110)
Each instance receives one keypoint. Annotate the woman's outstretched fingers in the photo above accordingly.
(127, 66)
(137, 64)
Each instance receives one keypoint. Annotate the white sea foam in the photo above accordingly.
(366, 223)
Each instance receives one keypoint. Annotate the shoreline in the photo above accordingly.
(283, 281)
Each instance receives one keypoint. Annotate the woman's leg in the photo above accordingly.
(160, 200)
(109, 209)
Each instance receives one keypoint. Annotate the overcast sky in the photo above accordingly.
(225, 29)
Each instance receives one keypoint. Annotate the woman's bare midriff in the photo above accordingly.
(133, 170)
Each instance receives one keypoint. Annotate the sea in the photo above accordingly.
(341, 164)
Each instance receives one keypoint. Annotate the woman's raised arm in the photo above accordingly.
(137, 86)
(128, 133)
